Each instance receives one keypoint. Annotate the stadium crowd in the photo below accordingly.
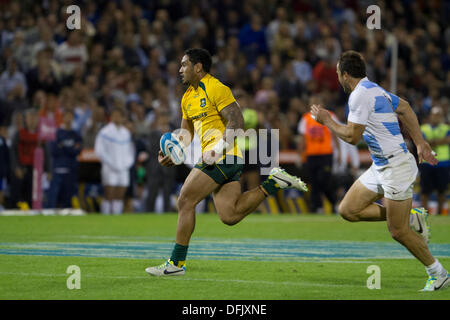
(275, 55)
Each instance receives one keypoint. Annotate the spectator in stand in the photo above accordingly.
(281, 17)
(252, 38)
(289, 86)
(437, 133)
(130, 51)
(13, 84)
(72, 53)
(302, 68)
(317, 143)
(115, 149)
(42, 77)
(325, 74)
(64, 152)
(93, 126)
(4, 163)
(21, 50)
(22, 158)
(158, 178)
(46, 42)
(309, 37)
(47, 104)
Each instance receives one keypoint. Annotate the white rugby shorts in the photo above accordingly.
(112, 178)
(395, 180)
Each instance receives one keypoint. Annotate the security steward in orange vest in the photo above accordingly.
(316, 146)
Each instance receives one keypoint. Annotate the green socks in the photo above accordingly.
(270, 186)
(179, 254)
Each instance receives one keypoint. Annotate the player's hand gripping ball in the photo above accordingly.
(170, 145)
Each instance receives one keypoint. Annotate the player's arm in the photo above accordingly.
(234, 128)
(187, 133)
(351, 132)
(235, 124)
(409, 120)
(235, 120)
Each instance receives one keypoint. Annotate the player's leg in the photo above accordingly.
(397, 216)
(359, 204)
(253, 181)
(397, 182)
(196, 187)
(398, 224)
(232, 205)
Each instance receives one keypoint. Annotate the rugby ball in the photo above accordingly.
(171, 146)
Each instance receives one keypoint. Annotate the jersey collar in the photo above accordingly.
(360, 81)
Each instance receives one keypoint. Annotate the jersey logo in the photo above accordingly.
(204, 114)
(202, 102)
(170, 272)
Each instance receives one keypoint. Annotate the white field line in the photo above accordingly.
(151, 278)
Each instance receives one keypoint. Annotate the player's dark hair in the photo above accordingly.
(198, 55)
(353, 63)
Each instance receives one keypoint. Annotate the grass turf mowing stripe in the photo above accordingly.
(263, 282)
(208, 249)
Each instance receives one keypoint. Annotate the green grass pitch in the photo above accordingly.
(284, 257)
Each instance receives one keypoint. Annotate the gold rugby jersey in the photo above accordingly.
(202, 107)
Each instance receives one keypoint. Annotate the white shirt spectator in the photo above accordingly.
(71, 56)
(302, 70)
(115, 148)
(9, 81)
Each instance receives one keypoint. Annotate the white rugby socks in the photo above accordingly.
(114, 206)
(117, 207)
(436, 269)
(105, 206)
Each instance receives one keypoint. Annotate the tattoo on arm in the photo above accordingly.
(233, 114)
(235, 121)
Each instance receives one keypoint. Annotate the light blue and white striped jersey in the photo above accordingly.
(374, 107)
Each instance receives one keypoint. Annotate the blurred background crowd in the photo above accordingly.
(275, 55)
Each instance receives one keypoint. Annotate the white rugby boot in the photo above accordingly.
(166, 269)
(284, 180)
